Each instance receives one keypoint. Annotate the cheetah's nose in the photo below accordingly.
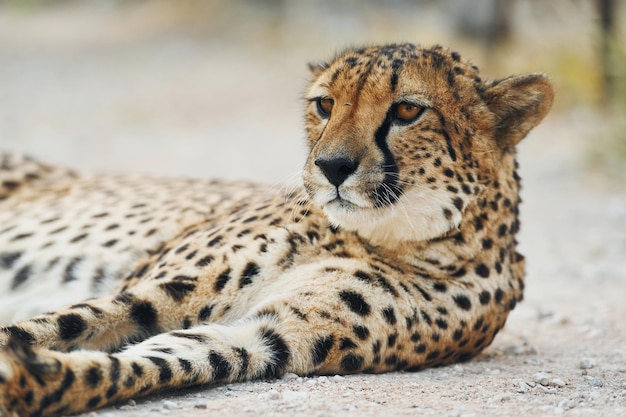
(337, 170)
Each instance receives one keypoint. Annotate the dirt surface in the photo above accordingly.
(179, 106)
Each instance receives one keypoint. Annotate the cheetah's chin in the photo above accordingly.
(416, 216)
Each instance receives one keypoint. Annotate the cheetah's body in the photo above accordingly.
(400, 255)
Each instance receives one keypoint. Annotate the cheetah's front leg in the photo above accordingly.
(41, 382)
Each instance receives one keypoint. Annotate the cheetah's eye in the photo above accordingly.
(407, 112)
(324, 106)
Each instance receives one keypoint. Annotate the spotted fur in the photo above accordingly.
(398, 254)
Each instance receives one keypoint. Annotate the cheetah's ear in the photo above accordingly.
(317, 67)
(519, 104)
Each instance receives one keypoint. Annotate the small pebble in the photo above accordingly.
(522, 387)
(567, 404)
(338, 378)
(557, 382)
(587, 363)
(311, 382)
(170, 405)
(542, 378)
(322, 379)
(594, 381)
(290, 377)
(269, 395)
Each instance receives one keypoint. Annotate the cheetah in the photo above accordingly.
(397, 254)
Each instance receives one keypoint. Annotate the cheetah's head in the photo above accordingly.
(403, 139)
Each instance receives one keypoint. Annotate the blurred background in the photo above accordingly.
(213, 88)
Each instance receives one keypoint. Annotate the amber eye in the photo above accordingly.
(325, 106)
(407, 112)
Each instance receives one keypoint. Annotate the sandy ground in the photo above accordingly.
(177, 106)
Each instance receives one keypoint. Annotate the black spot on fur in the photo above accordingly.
(482, 270)
(321, 348)
(361, 332)
(205, 312)
(352, 362)
(191, 336)
(458, 203)
(459, 273)
(279, 354)
(391, 339)
(221, 367)
(346, 343)
(462, 301)
(214, 241)
(432, 355)
(165, 371)
(222, 280)
(144, 315)
(363, 276)
(389, 315)
(177, 290)
(249, 273)
(441, 323)
(7, 259)
(79, 238)
(21, 277)
(484, 297)
(355, 302)
(424, 294)
(71, 326)
(204, 261)
(57, 395)
(20, 333)
(94, 401)
(114, 371)
(93, 377)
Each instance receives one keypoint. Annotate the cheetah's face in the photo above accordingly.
(402, 139)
